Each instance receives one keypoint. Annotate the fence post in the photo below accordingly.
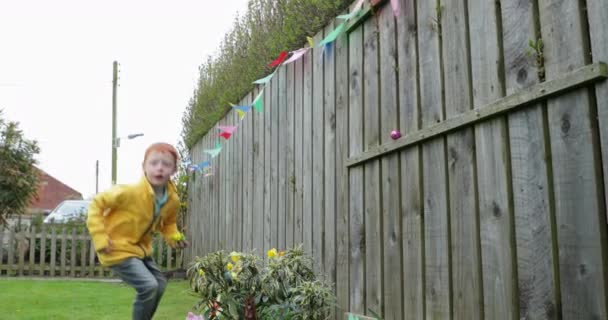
(83, 251)
(11, 254)
(1, 249)
(73, 254)
(32, 255)
(63, 249)
(42, 250)
(21, 247)
(53, 249)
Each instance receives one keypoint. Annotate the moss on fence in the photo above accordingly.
(257, 37)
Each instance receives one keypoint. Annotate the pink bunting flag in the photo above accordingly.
(228, 129)
(278, 60)
(396, 7)
(295, 55)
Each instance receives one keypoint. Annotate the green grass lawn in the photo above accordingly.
(74, 300)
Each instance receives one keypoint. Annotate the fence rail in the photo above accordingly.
(63, 251)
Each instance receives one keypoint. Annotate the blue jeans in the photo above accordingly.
(145, 277)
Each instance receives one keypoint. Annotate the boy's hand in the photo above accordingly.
(108, 249)
(182, 244)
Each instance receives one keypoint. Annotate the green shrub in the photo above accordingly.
(240, 286)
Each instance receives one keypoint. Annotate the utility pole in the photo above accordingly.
(96, 176)
(114, 146)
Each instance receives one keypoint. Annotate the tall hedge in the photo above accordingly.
(256, 38)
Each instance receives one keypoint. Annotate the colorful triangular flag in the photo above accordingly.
(279, 59)
(333, 35)
(258, 102)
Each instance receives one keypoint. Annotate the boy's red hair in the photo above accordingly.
(162, 148)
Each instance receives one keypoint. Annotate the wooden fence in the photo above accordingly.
(493, 203)
(58, 251)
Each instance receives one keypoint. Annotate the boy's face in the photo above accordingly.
(159, 167)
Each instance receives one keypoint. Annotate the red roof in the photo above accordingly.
(51, 192)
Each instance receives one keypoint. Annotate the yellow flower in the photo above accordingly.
(201, 272)
(178, 236)
(272, 253)
(229, 266)
(235, 256)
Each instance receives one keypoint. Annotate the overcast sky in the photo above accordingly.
(56, 76)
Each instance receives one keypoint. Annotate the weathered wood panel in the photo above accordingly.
(318, 200)
(372, 194)
(597, 11)
(258, 181)
(298, 143)
(268, 196)
(536, 259)
(580, 212)
(390, 166)
(329, 157)
(436, 227)
(289, 157)
(274, 160)
(342, 213)
(282, 162)
(356, 187)
(307, 109)
(464, 215)
(411, 187)
(493, 166)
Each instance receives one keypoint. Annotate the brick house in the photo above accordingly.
(50, 193)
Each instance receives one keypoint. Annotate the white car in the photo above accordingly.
(69, 210)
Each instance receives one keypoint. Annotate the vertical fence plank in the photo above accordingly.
(436, 226)
(282, 160)
(73, 250)
(220, 178)
(318, 202)
(307, 109)
(329, 159)
(372, 194)
(42, 249)
(411, 189)
(289, 158)
(32, 255)
(21, 247)
(62, 259)
(11, 252)
(248, 135)
(268, 166)
(84, 238)
(464, 219)
(597, 11)
(575, 160)
(230, 197)
(258, 184)
(493, 166)
(226, 215)
(169, 258)
(298, 130)
(355, 174)
(238, 216)
(92, 255)
(53, 249)
(274, 163)
(390, 184)
(536, 259)
(2, 236)
(342, 214)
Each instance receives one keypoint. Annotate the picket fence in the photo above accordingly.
(63, 251)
